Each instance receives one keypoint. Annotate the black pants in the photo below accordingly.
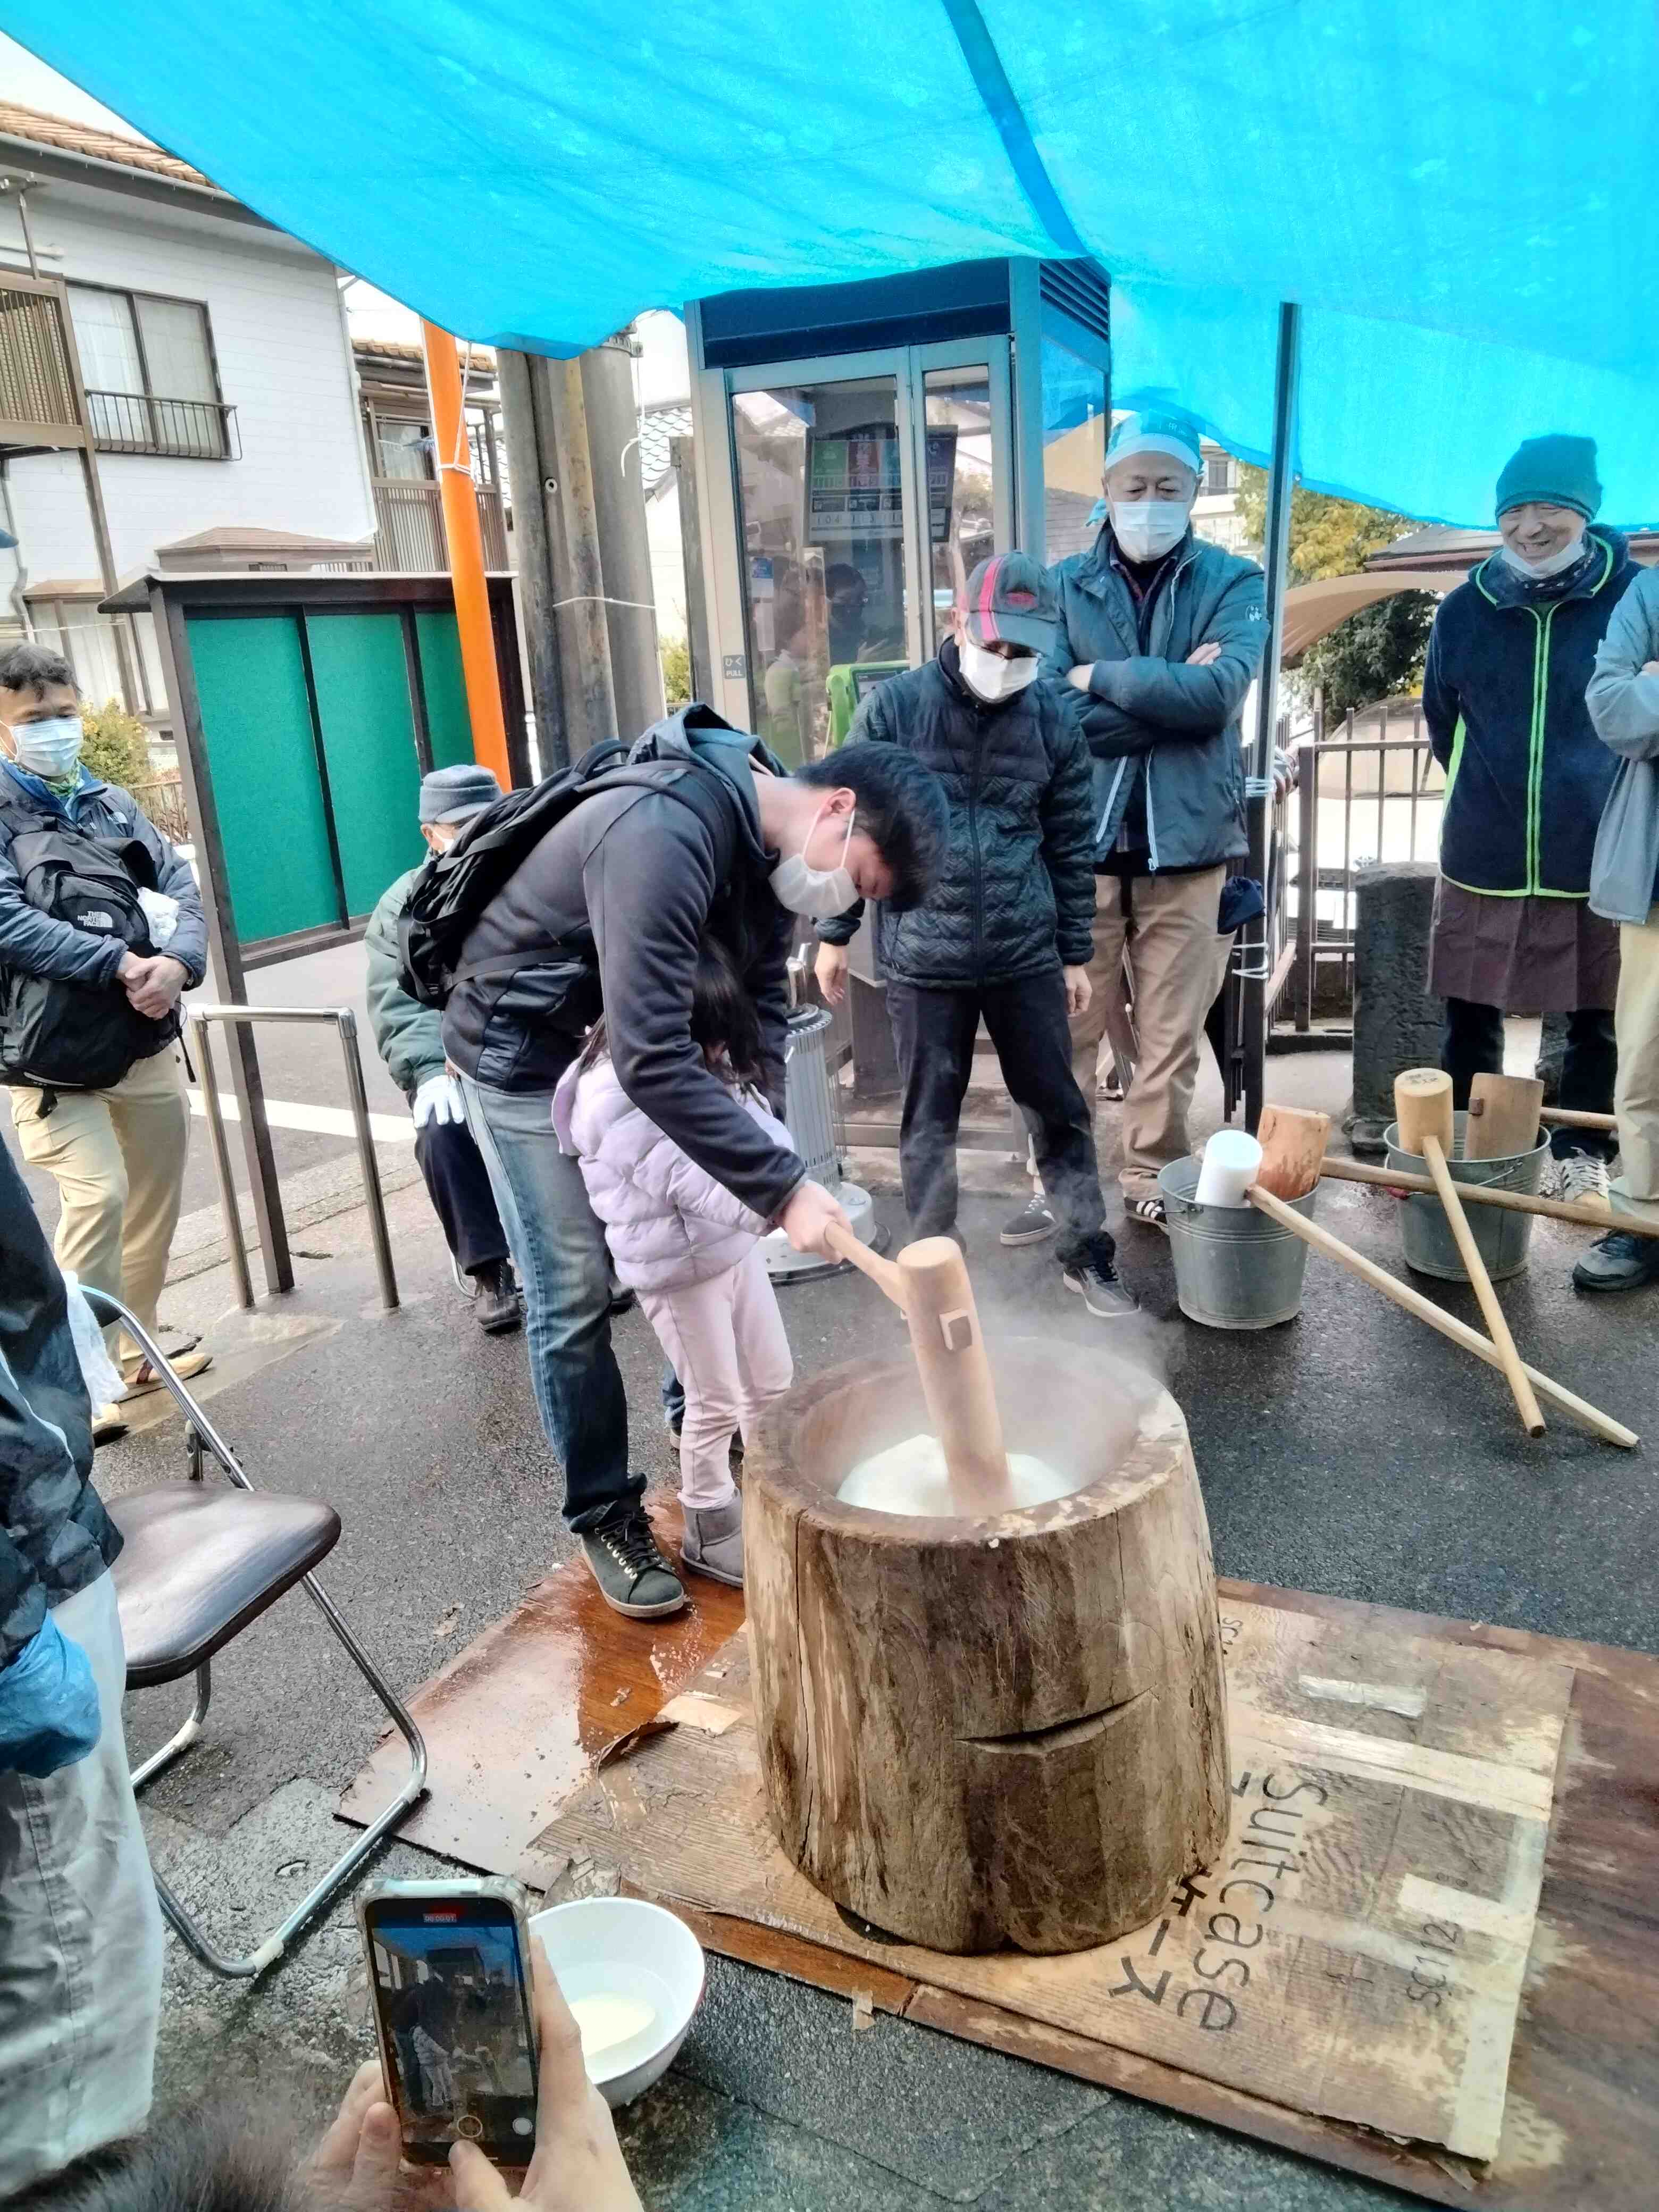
(1472, 1044)
(933, 1035)
(458, 1184)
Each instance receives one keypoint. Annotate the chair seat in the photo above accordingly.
(197, 1563)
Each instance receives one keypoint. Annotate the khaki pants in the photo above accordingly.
(118, 1157)
(1636, 1095)
(1177, 959)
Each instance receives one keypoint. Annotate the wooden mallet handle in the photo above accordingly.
(1480, 1193)
(1423, 1107)
(1460, 1333)
(882, 1273)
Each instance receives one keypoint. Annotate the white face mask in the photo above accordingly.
(1551, 565)
(818, 893)
(51, 748)
(989, 676)
(1147, 528)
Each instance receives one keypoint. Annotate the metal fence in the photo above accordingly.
(409, 525)
(1358, 801)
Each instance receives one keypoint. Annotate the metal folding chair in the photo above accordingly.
(196, 1565)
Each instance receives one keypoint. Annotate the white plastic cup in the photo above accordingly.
(1231, 1163)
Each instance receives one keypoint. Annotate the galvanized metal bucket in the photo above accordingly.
(1501, 1237)
(1234, 1267)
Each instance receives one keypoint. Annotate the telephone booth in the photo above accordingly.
(858, 449)
(859, 446)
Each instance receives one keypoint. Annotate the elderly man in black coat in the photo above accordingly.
(1006, 931)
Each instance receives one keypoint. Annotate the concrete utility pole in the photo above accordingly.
(583, 554)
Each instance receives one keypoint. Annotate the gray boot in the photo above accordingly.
(713, 1542)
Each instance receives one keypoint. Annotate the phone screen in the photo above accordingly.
(451, 1991)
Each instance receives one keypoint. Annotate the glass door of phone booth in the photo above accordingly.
(866, 486)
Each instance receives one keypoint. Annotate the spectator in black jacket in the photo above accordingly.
(80, 1928)
(1007, 929)
(605, 913)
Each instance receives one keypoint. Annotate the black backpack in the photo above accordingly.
(453, 888)
(64, 1035)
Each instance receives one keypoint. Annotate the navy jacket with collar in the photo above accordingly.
(1526, 777)
(1147, 704)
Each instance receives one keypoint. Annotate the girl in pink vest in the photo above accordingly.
(691, 1250)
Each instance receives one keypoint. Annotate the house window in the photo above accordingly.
(1218, 472)
(148, 370)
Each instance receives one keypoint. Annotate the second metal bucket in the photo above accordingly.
(1234, 1268)
(1500, 1237)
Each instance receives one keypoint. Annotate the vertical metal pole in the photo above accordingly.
(466, 559)
(1275, 560)
(1307, 879)
(533, 487)
(697, 595)
(358, 1099)
(220, 1145)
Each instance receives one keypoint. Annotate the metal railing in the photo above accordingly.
(1359, 801)
(408, 524)
(345, 1021)
(184, 429)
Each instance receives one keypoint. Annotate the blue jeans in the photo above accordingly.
(558, 1249)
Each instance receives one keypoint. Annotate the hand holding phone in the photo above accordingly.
(578, 2166)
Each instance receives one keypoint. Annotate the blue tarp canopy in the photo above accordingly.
(1459, 194)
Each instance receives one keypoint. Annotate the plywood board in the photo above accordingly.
(520, 1718)
(1359, 1950)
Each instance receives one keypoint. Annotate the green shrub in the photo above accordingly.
(675, 655)
(116, 747)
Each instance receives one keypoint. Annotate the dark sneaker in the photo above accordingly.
(1031, 1225)
(632, 1576)
(713, 1542)
(1619, 1261)
(1095, 1278)
(623, 1300)
(672, 1423)
(497, 1305)
(1149, 1211)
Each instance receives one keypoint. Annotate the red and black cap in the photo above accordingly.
(1010, 601)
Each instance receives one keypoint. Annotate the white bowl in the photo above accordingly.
(623, 1947)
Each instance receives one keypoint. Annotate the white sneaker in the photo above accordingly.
(1582, 1179)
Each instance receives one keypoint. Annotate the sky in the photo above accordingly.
(661, 372)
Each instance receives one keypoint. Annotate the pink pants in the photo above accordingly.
(725, 1338)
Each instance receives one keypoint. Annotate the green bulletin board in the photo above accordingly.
(369, 741)
(250, 679)
(448, 725)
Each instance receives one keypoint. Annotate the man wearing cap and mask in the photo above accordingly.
(1511, 656)
(1005, 932)
(409, 1039)
(1160, 634)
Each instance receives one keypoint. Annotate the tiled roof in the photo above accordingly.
(406, 350)
(97, 145)
(663, 420)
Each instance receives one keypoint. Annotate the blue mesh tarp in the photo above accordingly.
(1459, 192)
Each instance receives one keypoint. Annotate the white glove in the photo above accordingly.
(437, 1099)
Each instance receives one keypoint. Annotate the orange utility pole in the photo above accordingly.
(467, 561)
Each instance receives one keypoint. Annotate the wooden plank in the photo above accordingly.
(1300, 1968)
(520, 1718)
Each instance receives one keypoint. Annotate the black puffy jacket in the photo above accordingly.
(1017, 893)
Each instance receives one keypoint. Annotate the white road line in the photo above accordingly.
(319, 1120)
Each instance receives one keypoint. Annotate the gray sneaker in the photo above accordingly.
(1619, 1261)
(632, 1576)
(1034, 1221)
(1094, 1276)
(713, 1542)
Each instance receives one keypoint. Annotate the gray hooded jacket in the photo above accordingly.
(1624, 706)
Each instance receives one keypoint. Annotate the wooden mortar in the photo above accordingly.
(1008, 1729)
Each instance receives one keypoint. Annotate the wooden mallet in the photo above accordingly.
(1504, 1112)
(1288, 1137)
(1423, 1109)
(929, 1283)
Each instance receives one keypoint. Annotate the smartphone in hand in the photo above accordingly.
(449, 1978)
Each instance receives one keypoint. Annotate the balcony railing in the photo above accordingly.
(409, 525)
(183, 429)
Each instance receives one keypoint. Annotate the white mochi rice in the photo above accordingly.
(909, 1477)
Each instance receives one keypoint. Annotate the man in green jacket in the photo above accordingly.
(409, 1039)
